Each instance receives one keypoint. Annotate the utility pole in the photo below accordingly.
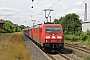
(85, 12)
(48, 14)
(33, 22)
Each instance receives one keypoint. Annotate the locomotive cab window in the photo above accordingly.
(52, 28)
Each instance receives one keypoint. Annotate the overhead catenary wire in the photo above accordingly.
(47, 4)
(52, 5)
(48, 7)
(55, 3)
(35, 3)
(44, 7)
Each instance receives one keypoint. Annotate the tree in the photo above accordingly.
(22, 26)
(70, 23)
(9, 27)
(56, 21)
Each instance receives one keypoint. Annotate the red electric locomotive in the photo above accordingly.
(48, 35)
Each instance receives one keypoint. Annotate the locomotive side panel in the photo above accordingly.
(36, 33)
(30, 33)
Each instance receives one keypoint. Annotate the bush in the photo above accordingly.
(71, 37)
(10, 27)
(84, 36)
(78, 33)
(67, 37)
(88, 32)
(75, 38)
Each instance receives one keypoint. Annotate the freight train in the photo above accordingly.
(46, 35)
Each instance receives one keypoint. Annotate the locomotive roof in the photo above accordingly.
(46, 24)
(37, 26)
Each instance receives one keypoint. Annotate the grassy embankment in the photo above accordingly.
(12, 47)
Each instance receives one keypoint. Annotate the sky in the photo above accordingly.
(20, 11)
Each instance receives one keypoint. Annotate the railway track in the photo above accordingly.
(51, 57)
(75, 46)
(67, 58)
(48, 55)
(36, 53)
(59, 55)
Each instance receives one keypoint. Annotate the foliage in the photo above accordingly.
(9, 27)
(84, 36)
(22, 26)
(71, 37)
(19, 57)
(70, 23)
(88, 37)
(72, 28)
(56, 21)
(88, 33)
(82, 56)
(87, 58)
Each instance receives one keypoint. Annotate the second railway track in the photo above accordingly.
(75, 46)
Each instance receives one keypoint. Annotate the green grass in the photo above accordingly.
(87, 58)
(83, 56)
(19, 57)
(4, 36)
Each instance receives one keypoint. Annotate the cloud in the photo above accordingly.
(14, 1)
(78, 11)
(8, 11)
(64, 7)
(81, 3)
(40, 8)
(14, 15)
(47, 6)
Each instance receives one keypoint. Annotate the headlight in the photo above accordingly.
(47, 37)
(53, 37)
(47, 40)
(59, 37)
